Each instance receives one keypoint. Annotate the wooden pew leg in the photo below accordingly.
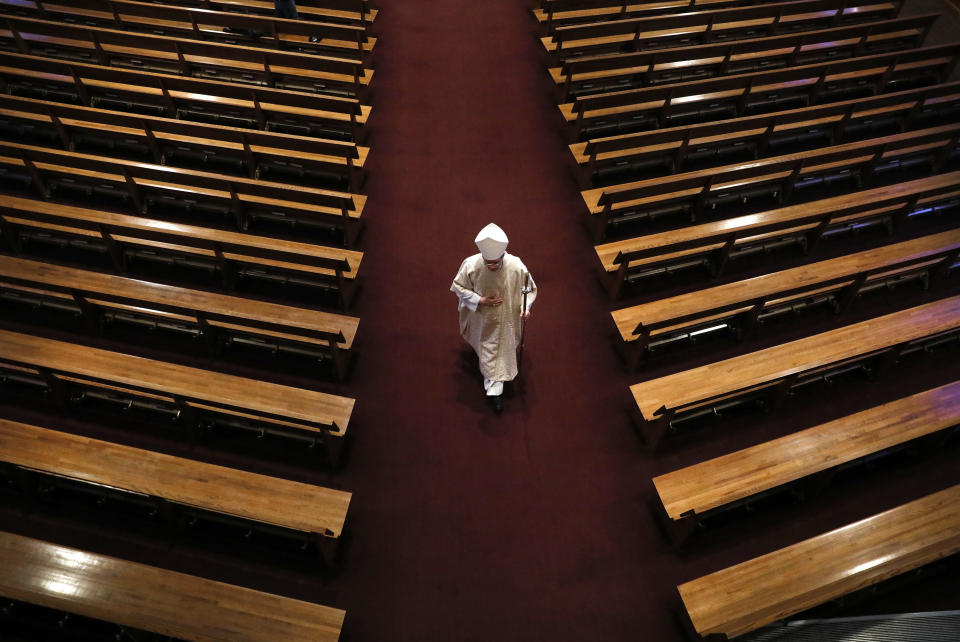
(333, 448)
(341, 360)
(677, 531)
(652, 431)
(327, 548)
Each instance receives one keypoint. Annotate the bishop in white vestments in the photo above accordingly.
(490, 287)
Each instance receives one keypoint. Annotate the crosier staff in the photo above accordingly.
(523, 321)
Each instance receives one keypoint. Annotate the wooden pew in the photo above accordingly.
(151, 599)
(195, 99)
(615, 72)
(769, 375)
(176, 488)
(157, 189)
(206, 24)
(125, 241)
(744, 597)
(175, 55)
(715, 243)
(740, 305)
(699, 27)
(188, 397)
(753, 93)
(168, 141)
(550, 14)
(805, 460)
(360, 12)
(778, 179)
(215, 319)
(671, 150)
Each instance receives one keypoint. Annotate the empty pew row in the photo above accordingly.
(768, 376)
(169, 141)
(196, 58)
(700, 27)
(758, 92)
(775, 180)
(214, 321)
(713, 245)
(738, 307)
(205, 24)
(550, 14)
(194, 99)
(178, 193)
(774, 586)
(360, 12)
(193, 400)
(676, 149)
(131, 244)
(616, 72)
(172, 490)
(138, 598)
(804, 461)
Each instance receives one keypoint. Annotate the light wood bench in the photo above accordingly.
(215, 318)
(123, 240)
(146, 598)
(742, 304)
(195, 99)
(361, 12)
(554, 13)
(757, 92)
(805, 461)
(778, 179)
(672, 149)
(777, 585)
(189, 396)
(768, 375)
(714, 243)
(168, 141)
(176, 488)
(168, 54)
(615, 72)
(145, 188)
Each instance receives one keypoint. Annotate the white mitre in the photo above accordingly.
(492, 242)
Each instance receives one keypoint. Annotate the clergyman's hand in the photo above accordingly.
(525, 314)
(491, 300)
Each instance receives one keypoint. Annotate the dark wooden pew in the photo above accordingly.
(550, 14)
(176, 55)
(162, 191)
(674, 149)
(360, 12)
(195, 99)
(67, 375)
(599, 74)
(767, 376)
(755, 93)
(700, 27)
(714, 244)
(177, 489)
(145, 598)
(774, 586)
(214, 320)
(123, 243)
(178, 143)
(774, 180)
(804, 461)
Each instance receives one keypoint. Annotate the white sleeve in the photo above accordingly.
(460, 286)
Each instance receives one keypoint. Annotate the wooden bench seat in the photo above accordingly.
(146, 598)
(123, 240)
(664, 402)
(697, 27)
(145, 188)
(599, 74)
(360, 12)
(777, 179)
(216, 318)
(807, 458)
(177, 488)
(168, 141)
(555, 13)
(176, 55)
(191, 397)
(672, 149)
(741, 304)
(779, 584)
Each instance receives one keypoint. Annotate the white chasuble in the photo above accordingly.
(493, 331)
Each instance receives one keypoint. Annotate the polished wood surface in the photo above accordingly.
(154, 599)
(307, 408)
(774, 586)
(773, 364)
(745, 473)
